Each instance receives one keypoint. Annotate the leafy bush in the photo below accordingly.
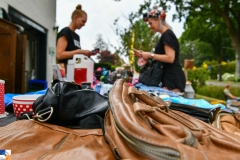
(113, 67)
(228, 77)
(197, 77)
(213, 68)
(216, 91)
(103, 65)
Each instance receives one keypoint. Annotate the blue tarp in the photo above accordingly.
(8, 96)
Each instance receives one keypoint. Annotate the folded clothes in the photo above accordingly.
(157, 90)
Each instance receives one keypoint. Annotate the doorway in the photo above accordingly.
(36, 46)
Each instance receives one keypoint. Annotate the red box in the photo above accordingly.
(80, 75)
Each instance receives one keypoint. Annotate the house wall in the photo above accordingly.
(42, 12)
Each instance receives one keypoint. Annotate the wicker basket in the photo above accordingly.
(188, 63)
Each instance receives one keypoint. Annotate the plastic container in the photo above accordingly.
(2, 92)
(80, 69)
(189, 91)
(23, 103)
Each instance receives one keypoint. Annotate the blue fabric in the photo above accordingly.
(97, 88)
(8, 96)
(160, 90)
(201, 103)
(175, 98)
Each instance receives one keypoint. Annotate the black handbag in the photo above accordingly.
(203, 114)
(151, 74)
(67, 104)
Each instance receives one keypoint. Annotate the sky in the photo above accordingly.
(101, 16)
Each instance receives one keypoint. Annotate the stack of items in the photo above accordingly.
(70, 122)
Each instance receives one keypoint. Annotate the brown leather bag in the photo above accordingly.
(28, 139)
(138, 126)
(229, 122)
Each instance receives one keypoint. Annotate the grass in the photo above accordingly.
(210, 99)
(226, 82)
(217, 91)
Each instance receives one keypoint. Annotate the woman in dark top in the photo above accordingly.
(68, 42)
(166, 51)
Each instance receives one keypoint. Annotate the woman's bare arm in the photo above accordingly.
(61, 52)
(168, 57)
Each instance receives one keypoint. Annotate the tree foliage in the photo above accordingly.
(197, 50)
(219, 18)
(100, 43)
(214, 21)
(210, 10)
(105, 55)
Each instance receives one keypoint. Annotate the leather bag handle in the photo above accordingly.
(147, 99)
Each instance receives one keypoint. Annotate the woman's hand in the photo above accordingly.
(146, 55)
(137, 52)
(140, 53)
(87, 53)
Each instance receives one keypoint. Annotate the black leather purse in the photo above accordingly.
(151, 74)
(203, 114)
(67, 104)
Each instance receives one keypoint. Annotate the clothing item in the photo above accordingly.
(102, 88)
(73, 40)
(156, 90)
(226, 92)
(173, 75)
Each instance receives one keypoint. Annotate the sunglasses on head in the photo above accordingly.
(152, 14)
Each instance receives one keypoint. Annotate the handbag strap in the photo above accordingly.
(217, 117)
(147, 99)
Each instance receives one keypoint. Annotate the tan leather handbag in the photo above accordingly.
(30, 140)
(138, 126)
(229, 122)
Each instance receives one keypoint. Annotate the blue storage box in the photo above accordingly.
(36, 85)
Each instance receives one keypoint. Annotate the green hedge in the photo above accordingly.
(216, 91)
(226, 68)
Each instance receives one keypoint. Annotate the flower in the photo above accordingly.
(205, 65)
(223, 63)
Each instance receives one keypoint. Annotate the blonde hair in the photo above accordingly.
(78, 11)
(163, 22)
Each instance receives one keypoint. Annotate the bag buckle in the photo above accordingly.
(40, 118)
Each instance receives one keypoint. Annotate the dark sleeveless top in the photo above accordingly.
(173, 75)
(73, 40)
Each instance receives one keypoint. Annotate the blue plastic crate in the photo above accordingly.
(36, 85)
